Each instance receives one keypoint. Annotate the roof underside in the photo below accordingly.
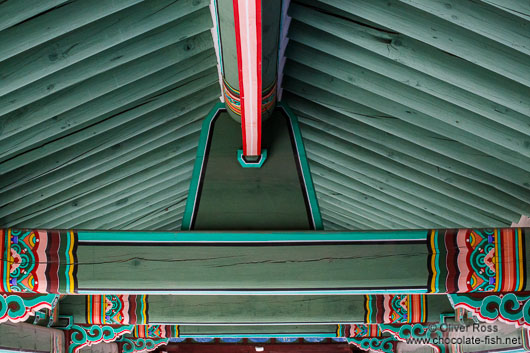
(414, 113)
(101, 104)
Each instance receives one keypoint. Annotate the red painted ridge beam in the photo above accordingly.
(247, 22)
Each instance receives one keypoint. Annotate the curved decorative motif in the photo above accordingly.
(17, 308)
(358, 330)
(233, 98)
(83, 336)
(378, 344)
(133, 345)
(508, 308)
(156, 331)
(390, 309)
(476, 260)
(117, 309)
(38, 261)
(405, 332)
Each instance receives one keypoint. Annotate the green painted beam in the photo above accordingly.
(425, 132)
(89, 40)
(258, 331)
(176, 31)
(422, 108)
(421, 57)
(376, 155)
(253, 310)
(266, 263)
(441, 34)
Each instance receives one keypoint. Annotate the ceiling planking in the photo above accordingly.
(415, 114)
(101, 105)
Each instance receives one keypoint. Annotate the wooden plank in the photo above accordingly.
(392, 189)
(91, 180)
(470, 101)
(176, 31)
(388, 220)
(463, 149)
(425, 110)
(13, 12)
(348, 224)
(139, 204)
(330, 178)
(443, 35)
(519, 8)
(112, 155)
(99, 85)
(287, 267)
(399, 135)
(114, 204)
(351, 160)
(55, 23)
(128, 113)
(108, 105)
(465, 190)
(481, 18)
(346, 213)
(498, 190)
(423, 58)
(89, 40)
(75, 209)
(22, 337)
(157, 220)
(174, 112)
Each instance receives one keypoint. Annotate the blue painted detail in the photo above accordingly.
(314, 339)
(231, 339)
(287, 339)
(259, 339)
(339, 339)
(203, 339)
(246, 164)
(177, 339)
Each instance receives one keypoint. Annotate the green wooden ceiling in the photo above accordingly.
(415, 113)
(101, 104)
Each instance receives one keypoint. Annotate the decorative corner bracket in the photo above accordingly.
(17, 308)
(135, 345)
(247, 164)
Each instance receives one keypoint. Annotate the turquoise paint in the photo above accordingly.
(245, 164)
(264, 292)
(196, 176)
(306, 173)
(235, 237)
(254, 335)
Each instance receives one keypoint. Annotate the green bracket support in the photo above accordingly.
(246, 164)
(16, 308)
(134, 345)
